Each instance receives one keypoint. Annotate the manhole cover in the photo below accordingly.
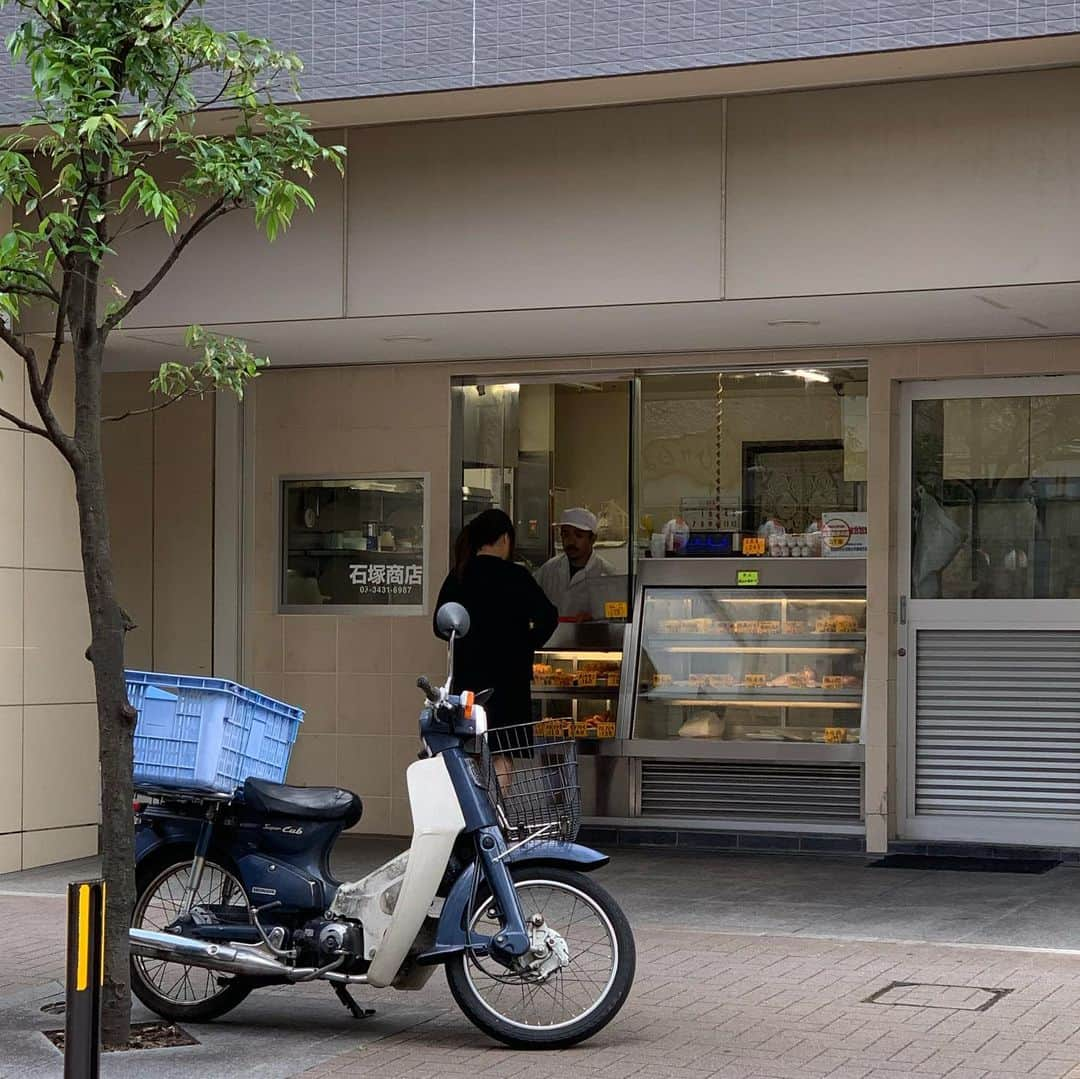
(957, 998)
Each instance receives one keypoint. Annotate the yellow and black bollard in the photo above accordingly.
(85, 976)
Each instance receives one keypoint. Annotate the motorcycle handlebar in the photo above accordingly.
(429, 690)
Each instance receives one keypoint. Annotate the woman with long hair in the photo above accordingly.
(509, 616)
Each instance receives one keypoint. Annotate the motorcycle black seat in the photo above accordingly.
(305, 803)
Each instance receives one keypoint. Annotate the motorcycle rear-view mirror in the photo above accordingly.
(452, 618)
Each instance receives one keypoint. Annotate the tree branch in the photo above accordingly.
(27, 290)
(52, 430)
(146, 411)
(58, 339)
(22, 425)
(216, 209)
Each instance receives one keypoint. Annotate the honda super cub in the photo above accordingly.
(235, 892)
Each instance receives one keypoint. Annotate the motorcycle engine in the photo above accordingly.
(322, 942)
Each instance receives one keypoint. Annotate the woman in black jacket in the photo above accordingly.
(509, 616)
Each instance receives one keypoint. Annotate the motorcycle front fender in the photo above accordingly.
(451, 935)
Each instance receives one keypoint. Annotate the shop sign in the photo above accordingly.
(389, 582)
(845, 535)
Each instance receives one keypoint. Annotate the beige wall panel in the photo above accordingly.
(184, 537)
(57, 633)
(11, 771)
(52, 519)
(60, 766)
(231, 273)
(10, 852)
(592, 207)
(12, 445)
(961, 182)
(353, 674)
(11, 636)
(11, 385)
(58, 845)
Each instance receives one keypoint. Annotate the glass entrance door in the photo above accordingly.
(990, 624)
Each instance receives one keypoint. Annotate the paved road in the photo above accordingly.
(752, 967)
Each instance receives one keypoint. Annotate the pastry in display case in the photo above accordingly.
(575, 693)
(783, 665)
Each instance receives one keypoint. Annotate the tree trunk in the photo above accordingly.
(116, 718)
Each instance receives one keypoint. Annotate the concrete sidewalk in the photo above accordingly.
(756, 966)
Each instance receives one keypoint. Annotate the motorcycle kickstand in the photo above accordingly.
(345, 997)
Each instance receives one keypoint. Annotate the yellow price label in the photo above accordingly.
(615, 610)
(753, 545)
(746, 577)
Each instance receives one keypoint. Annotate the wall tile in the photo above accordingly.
(11, 636)
(314, 761)
(363, 765)
(310, 643)
(376, 818)
(60, 766)
(52, 524)
(12, 389)
(11, 491)
(415, 649)
(363, 645)
(364, 704)
(317, 695)
(11, 778)
(400, 817)
(265, 633)
(11, 852)
(58, 845)
(57, 635)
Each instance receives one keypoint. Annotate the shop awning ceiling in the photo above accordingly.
(849, 321)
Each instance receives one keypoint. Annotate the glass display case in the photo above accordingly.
(744, 665)
(577, 683)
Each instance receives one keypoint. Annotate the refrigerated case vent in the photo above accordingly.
(718, 790)
(997, 723)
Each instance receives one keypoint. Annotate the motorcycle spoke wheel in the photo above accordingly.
(177, 984)
(570, 994)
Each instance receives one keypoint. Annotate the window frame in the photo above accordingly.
(358, 610)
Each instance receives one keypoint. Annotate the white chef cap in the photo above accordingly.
(579, 517)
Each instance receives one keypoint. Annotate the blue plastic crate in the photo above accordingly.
(208, 731)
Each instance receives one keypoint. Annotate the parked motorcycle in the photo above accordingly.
(235, 891)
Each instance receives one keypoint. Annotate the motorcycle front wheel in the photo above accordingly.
(588, 977)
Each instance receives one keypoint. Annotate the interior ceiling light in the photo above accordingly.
(807, 375)
(405, 337)
(794, 322)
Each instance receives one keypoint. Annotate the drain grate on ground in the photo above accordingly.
(955, 998)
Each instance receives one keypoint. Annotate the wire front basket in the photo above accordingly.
(531, 774)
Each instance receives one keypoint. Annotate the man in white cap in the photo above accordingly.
(565, 577)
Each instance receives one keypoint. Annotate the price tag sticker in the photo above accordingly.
(753, 545)
(615, 610)
(747, 578)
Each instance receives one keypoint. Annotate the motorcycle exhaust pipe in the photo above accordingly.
(249, 960)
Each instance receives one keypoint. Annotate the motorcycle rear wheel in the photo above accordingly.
(571, 1004)
(174, 990)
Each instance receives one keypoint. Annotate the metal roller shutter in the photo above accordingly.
(712, 790)
(997, 723)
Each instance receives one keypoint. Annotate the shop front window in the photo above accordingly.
(996, 498)
(537, 450)
(766, 463)
(357, 543)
